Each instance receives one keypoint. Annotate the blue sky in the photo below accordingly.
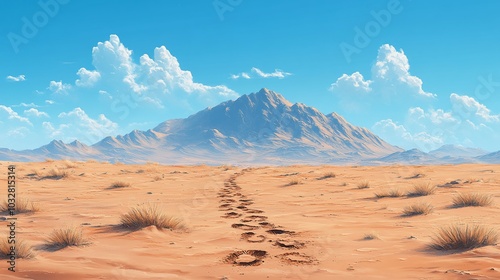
(418, 74)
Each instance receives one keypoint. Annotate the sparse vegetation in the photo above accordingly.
(293, 182)
(327, 175)
(22, 249)
(422, 190)
(119, 185)
(364, 185)
(464, 237)
(61, 238)
(389, 193)
(472, 199)
(150, 215)
(56, 174)
(69, 164)
(23, 205)
(157, 178)
(370, 236)
(418, 209)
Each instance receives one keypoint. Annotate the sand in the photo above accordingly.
(251, 223)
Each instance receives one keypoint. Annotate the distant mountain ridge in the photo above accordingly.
(258, 128)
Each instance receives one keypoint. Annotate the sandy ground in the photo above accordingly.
(314, 229)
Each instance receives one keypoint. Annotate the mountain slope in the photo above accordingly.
(261, 127)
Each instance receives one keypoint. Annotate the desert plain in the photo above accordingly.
(265, 222)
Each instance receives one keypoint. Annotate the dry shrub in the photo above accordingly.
(364, 185)
(56, 174)
(418, 209)
(22, 249)
(61, 238)
(119, 185)
(370, 236)
(69, 164)
(464, 237)
(327, 175)
(472, 199)
(422, 190)
(293, 182)
(23, 205)
(150, 215)
(389, 193)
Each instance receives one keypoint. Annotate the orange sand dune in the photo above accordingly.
(252, 223)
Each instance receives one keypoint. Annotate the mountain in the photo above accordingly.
(490, 158)
(260, 127)
(456, 151)
(413, 156)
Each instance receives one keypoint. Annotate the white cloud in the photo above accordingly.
(35, 113)
(50, 102)
(353, 83)
(19, 132)
(19, 78)
(59, 87)
(22, 104)
(390, 75)
(276, 74)
(241, 75)
(87, 78)
(78, 125)
(12, 115)
(468, 107)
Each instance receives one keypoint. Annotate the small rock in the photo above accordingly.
(149, 193)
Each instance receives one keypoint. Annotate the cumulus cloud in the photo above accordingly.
(35, 113)
(87, 78)
(59, 87)
(50, 102)
(467, 123)
(390, 75)
(12, 115)
(76, 124)
(20, 78)
(261, 74)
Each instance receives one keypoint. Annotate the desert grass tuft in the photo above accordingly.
(422, 190)
(370, 236)
(418, 209)
(327, 176)
(22, 249)
(364, 185)
(61, 238)
(69, 164)
(23, 205)
(389, 193)
(464, 237)
(472, 199)
(119, 185)
(293, 182)
(56, 174)
(150, 215)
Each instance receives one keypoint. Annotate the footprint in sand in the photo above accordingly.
(244, 226)
(246, 258)
(252, 237)
(289, 244)
(229, 200)
(254, 218)
(296, 258)
(267, 225)
(231, 215)
(279, 231)
(253, 211)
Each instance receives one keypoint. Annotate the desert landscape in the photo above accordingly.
(263, 222)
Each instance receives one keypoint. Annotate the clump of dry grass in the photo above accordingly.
(327, 175)
(22, 250)
(418, 209)
(389, 193)
(150, 215)
(422, 190)
(61, 238)
(472, 199)
(370, 236)
(69, 164)
(293, 182)
(157, 178)
(119, 185)
(56, 174)
(364, 185)
(23, 205)
(464, 237)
